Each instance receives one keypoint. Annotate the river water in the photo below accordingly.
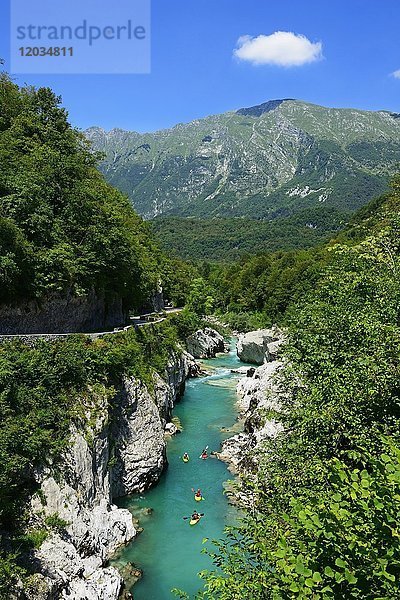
(169, 549)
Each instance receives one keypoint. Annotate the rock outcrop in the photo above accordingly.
(138, 429)
(74, 561)
(260, 346)
(106, 458)
(205, 343)
(63, 313)
(259, 395)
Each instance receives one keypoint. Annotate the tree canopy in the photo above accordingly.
(61, 225)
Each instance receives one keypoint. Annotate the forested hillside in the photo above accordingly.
(226, 240)
(62, 227)
(325, 524)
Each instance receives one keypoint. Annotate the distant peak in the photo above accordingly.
(257, 111)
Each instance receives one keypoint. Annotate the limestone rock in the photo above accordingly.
(205, 343)
(233, 450)
(139, 441)
(138, 428)
(260, 392)
(259, 346)
(95, 528)
(38, 587)
(102, 584)
(171, 429)
(260, 389)
(273, 349)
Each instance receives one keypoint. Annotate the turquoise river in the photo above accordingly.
(169, 549)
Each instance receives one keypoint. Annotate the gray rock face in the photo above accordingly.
(171, 429)
(260, 346)
(72, 564)
(101, 585)
(62, 313)
(205, 343)
(138, 429)
(75, 564)
(140, 446)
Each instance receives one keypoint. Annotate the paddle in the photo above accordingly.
(200, 515)
(205, 450)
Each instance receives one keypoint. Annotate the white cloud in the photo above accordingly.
(282, 48)
(396, 74)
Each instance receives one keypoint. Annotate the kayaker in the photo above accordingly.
(204, 454)
(195, 516)
(186, 456)
(197, 495)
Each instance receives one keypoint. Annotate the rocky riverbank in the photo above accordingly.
(259, 391)
(109, 455)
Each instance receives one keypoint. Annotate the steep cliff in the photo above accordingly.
(63, 313)
(139, 423)
(106, 457)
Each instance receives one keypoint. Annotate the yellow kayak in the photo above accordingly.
(198, 498)
(194, 521)
(185, 459)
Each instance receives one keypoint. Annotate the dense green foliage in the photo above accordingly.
(223, 240)
(325, 521)
(61, 226)
(257, 290)
(177, 276)
(266, 284)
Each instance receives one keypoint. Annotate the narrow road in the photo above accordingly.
(136, 321)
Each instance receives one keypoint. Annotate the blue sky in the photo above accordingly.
(194, 72)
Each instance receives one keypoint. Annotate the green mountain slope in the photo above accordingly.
(268, 161)
(227, 239)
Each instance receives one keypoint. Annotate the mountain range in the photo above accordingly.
(280, 159)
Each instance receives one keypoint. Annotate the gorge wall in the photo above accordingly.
(259, 394)
(109, 455)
